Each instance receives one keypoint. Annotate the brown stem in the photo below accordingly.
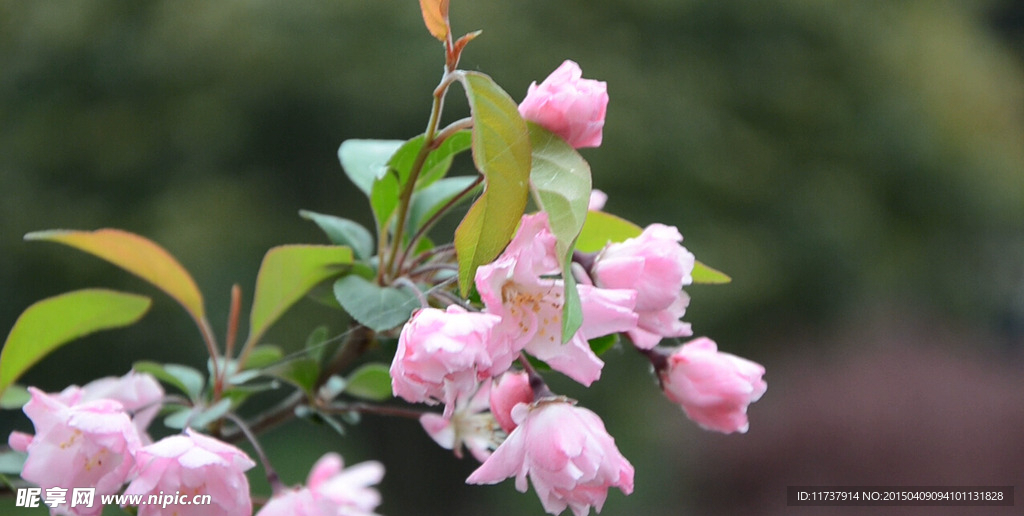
(275, 481)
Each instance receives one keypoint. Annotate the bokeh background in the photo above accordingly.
(856, 167)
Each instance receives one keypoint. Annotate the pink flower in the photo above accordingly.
(568, 105)
(139, 393)
(657, 267)
(331, 490)
(567, 454)
(441, 354)
(508, 391)
(517, 287)
(198, 465)
(88, 444)
(470, 425)
(713, 388)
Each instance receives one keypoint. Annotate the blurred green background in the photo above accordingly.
(856, 167)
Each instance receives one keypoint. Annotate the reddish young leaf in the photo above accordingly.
(435, 16)
(137, 255)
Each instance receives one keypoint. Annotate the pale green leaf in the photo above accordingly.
(11, 462)
(709, 276)
(187, 379)
(601, 228)
(345, 232)
(370, 382)
(302, 372)
(288, 273)
(561, 183)
(365, 161)
(14, 397)
(501, 152)
(376, 307)
(55, 321)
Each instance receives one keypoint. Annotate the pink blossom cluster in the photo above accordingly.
(95, 437)
(507, 418)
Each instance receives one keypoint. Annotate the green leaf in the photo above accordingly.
(198, 416)
(263, 356)
(435, 167)
(384, 200)
(288, 273)
(708, 276)
(370, 382)
(428, 201)
(14, 397)
(365, 161)
(137, 255)
(12, 462)
(440, 159)
(206, 415)
(501, 152)
(302, 372)
(187, 379)
(341, 231)
(601, 344)
(317, 342)
(376, 307)
(53, 322)
(402, 160)
(560, 179)
(601, 228)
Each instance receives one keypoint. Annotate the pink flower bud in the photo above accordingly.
(441, 354)
(657, 267)
(508, 391)
(196, 464)
(568, 105)
(597, 200)
(566, 453)
(87, 444)
(713, 388)
(331, 490)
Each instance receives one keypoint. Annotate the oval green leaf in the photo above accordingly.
(370, 382)
(561, 183)
(287, 273)
(139, 256)
(376, 307)
(365, 161)
(342, 231)
(186, 379)
(53, 322)
(501, 152)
